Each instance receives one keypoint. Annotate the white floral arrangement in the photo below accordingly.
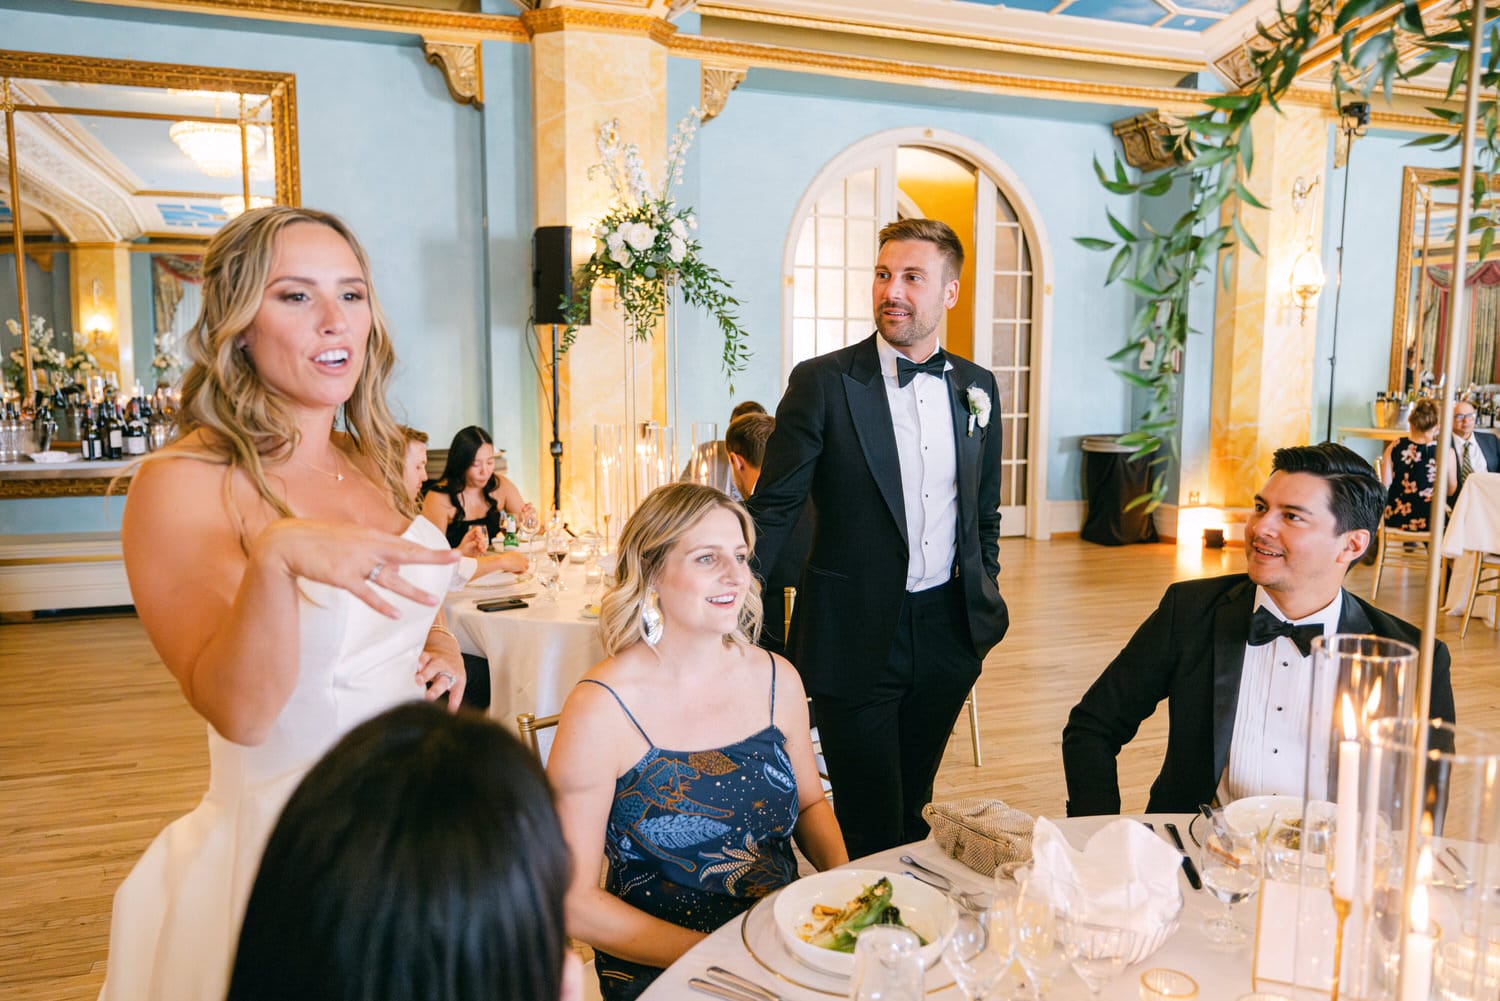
(165, 362)
(44, 356)
(646, 243)
(979, 408)
(82, 364)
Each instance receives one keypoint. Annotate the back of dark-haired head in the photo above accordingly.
(461, 455)
(1423, 416)
(746, 437)
(745, 407)
(934, 232)
(1355, 495)
(420, 860)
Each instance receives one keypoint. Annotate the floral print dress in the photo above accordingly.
(697, 837)
(1408, 500)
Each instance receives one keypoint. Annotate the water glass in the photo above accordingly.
(1097, 943)
(979, 949)
(1230, 865)
(1034, 935)
(887, 965)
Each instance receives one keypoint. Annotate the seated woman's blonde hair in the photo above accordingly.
(666, 515)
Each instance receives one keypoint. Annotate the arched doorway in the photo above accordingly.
(1002, 320)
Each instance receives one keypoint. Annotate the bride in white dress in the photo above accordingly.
(279, 569)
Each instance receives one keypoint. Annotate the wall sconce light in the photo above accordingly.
(1308, 278)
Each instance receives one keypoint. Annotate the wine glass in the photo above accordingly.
(1096, 941)
(1035, 939)
(887, 965)
(530, 524)
(558, 544)
(979, 949)
(1229, 863)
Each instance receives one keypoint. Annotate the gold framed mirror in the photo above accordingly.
(1424, 264)
(113, 175)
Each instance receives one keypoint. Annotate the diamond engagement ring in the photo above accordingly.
(451, 679)
(374, 573)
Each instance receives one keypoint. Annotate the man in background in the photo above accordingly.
(1474, 451)
(745, 441)
(709, 464)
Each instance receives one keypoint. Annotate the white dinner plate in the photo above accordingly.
(767, 947)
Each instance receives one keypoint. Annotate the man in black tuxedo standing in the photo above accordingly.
(898, 603)
(1231, 654)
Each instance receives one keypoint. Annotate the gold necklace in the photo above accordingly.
(337, 474)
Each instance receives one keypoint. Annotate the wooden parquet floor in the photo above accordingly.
(98, 750)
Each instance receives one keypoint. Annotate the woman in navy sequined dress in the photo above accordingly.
(683, 759)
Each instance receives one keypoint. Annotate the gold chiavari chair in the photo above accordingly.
(1486, 582)
(529, 724)
(1398, 547)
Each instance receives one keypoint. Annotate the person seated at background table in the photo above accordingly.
(745, 441)
(1409, 470)
(420, 859)
(474, 546)
(1473, 451)
(1231, 654)
(693, 835)
(278, 568)
(470, 493)
(713, 458)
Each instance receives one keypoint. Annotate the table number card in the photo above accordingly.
(1294, 941)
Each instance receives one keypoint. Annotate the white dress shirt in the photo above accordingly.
(1469, 445)
(1276, 710)
(922, 416)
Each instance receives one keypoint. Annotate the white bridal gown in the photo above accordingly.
(177, 916)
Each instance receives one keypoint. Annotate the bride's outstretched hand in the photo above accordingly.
(348, 556)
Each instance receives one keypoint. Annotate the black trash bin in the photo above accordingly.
(1111, 480)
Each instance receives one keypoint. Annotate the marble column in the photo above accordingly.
(1264, 351)
(588, 67)
(100, 275)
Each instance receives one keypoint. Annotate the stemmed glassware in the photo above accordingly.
(1229, 862)
(887, 965)
(979, 949)
(1036, 941)
(558, 545)
(1097, 944)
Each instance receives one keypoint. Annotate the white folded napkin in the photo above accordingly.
(52, 456)
(502, 578)
(1127, 875)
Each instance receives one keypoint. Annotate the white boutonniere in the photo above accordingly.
(979, 408)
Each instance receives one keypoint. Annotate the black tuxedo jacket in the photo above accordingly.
(1191, 652)
(835, 443)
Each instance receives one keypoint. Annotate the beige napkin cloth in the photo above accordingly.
(1127, 874)
(983, 834)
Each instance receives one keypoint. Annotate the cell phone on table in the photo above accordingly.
(500, 604)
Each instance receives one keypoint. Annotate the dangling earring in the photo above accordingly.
(652, 624)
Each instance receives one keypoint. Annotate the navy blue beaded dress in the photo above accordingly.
(697, 837)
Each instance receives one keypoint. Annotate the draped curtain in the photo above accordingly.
(1483, 301)
(177, 295)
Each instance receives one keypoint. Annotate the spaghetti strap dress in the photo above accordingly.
(697, 837)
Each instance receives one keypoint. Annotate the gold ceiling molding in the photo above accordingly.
(537, 22)
(715, 85)
(463, 69)
(752, 54)
(1146, 140)
(350, 14)
(931, 36)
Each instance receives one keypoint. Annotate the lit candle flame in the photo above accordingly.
(1351, 721)
(1419, 893)
(1372, 703)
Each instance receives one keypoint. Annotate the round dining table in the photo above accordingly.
(743, 947)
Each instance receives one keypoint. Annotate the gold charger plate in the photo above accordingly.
(763, 941)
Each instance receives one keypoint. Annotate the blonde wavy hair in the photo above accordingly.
(666, 515)
(244, 420)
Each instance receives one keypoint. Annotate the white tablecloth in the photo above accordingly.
(1221, 976)
(1473, 527)
(536, 653)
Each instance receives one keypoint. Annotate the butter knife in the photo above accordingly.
(723, 991)
(1187, 860)
(738, 982)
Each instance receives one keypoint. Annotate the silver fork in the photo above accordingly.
(974, 900)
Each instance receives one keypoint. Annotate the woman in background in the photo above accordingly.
(1409, 470)
(279, 570)
(419, 861)
(696, 834)
(470, 494)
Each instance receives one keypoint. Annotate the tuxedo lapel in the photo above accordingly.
(870, 412)
(1352, 617)
(965, 445)
(1231, 629)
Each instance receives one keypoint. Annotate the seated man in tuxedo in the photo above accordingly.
(1230, 654)
(1474, 451)
(745, 440)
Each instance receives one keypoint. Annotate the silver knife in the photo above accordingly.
(714, 988)
(736, 981)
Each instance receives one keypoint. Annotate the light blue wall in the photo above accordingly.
(755, 161)
(383, 145)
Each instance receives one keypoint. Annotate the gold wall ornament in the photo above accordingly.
(352, 14)
(462, 66)
(1148, 140)
(539, 22)
(715, 85)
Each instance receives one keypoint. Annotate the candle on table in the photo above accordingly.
(1346, 836)
(1416, 957)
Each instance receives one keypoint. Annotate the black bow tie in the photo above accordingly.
(1265, 627)
(906, 370)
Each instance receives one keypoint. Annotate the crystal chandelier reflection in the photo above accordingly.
(215, 146)
(234, 205)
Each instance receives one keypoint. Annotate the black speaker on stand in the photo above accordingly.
(551, 287)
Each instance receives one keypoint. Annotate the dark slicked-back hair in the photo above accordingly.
(746, 437)
(745, 407)
(935, 232)
(1355, 494)
(420, 860)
